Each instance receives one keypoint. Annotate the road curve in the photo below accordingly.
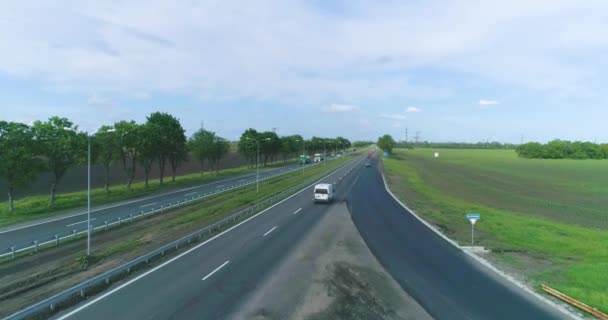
(444, 280)
(213, 279)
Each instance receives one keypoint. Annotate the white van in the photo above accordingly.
(317, 158)
(324, 192)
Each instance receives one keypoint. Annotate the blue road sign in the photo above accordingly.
(472, 216)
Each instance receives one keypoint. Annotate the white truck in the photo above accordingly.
(324, 192)
(318, 158)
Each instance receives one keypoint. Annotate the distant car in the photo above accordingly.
(367, 165)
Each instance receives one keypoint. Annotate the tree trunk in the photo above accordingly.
(173, 169)
(10, 200)
(202, 167)
(161, 168)
(146, 175)
(129, 183)
(106, 186)
(53, 190)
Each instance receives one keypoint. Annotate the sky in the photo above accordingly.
(445, 70)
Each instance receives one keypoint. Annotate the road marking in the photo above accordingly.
(221, 185)
(191, 194)
(120, 287)
(296, 212)
(269, 231)
(75, 223)
(149, 204)
(216, 270)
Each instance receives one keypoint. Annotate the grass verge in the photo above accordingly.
(36, 206)
(567, 251)
(36, 276)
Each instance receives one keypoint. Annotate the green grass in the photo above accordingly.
(36, 206)
(550, 211)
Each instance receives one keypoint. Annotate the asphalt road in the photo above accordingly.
(42, 231)
(215, 278)
(212, 279)
(444, 280)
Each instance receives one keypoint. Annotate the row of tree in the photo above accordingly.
(273, 147)
(57, 145)
(561, 149)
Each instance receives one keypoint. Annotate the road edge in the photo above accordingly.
(481, 260)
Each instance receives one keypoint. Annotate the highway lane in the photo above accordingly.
(211, 280)
(65, 225)
(445, 281)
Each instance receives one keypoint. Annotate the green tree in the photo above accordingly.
(270, 146)
(386, 143)
(128, 134)
(61, 147)
(148, 150)
(219, 150)
(247, 145)
(106, 150)
(19, 163)
(167, 135)
(201, 145)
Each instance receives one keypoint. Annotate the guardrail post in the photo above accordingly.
(161, 208)
(108, 280)
(82, 292)
(176, 246)
(74, 233)
(142, 213)
(52, 307)
(118, 220)
(105, 223)
(162, 253)
(56, 240)
(35, 245)
(131, 217)
(13, 252)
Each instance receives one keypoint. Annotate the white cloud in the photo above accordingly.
(97, 99)
(392, 116)
(207, 49)
(340, 108)
(412, 110)
(484, 102)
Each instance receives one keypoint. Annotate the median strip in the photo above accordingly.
(216, 270)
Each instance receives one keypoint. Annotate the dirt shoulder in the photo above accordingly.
(331, 275)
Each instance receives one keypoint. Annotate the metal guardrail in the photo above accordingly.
(56, 239)
(574, 302)
(45, 308)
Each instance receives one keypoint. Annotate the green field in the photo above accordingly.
(545, 219)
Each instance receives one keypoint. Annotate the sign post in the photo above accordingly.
(473, 217)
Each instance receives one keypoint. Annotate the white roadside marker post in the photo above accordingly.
(473, 217)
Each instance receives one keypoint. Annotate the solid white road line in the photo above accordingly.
(103, 296)
(191, 194)
(269, 231)
(296, 212)
(221, 185)
(216, 270)
(149, 204)
(75, 223)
